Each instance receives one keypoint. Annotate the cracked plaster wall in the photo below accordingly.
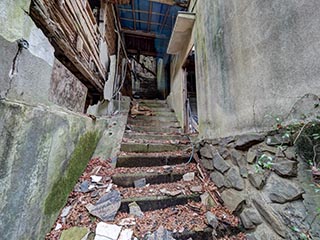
(255, 59)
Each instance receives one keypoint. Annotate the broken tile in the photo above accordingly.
(140, 183)
(126, 234)
(106, 207)
(95, 179)
(188, 177)
(135, 209)
(65, 211)
(105, 231)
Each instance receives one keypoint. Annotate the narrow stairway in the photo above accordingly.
(156, 177)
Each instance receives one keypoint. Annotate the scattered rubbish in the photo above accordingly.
(171, 193)
(95, 179)
(109, 187)
(94, 194)
(196, 189)
(106, 207)
(188, 177)
(140, 183)
(134, 209)
(58, 227)
(130, 221)
(105, 231)
(91, 187)
(161, 233)
(126, 234)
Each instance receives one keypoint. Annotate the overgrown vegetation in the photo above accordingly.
(77, 164)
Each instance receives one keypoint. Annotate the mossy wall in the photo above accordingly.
(43, 151)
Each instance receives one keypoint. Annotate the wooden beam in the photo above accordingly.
(143, 34)
(165, 20)
(167, 2)
(149, 16)
(134, 16)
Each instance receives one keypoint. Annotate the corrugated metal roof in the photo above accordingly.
(151, 17)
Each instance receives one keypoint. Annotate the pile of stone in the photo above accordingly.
(257, 175)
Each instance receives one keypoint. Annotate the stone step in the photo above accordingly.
(151, 101)
(143, 137)
(127, 179)
(157, 118)
(161, 109)
(151, 147)
(155, 129)
(151, 159)
(150, 203)
(153, 123)
(164, 114)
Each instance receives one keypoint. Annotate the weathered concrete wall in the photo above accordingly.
(43, 151)
(254, 60)
(66, 90)
(176, 98)
(25, 74)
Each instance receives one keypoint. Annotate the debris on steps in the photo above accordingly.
(153, 191)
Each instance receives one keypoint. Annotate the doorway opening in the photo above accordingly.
(191, 108)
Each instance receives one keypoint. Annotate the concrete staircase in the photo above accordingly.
(157, 150)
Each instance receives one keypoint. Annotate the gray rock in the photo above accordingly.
(244, 142)
(217, 178)
(219, 163)
(233, 199)
(250, 218)
(282, 190)
(263, 147)
(84, 187)
(161, 233)
(290, 153)
(285, 168)
(279, 139)
(207, 200)
(206, 151)
(270, 216)
(241, 162)
(258, 180)
(251, 155)
(66, 211)
(135, 209)
(224, 152)
(140, 183)
(234, 180)
(207, 164)
(212, 220)
(106, 207)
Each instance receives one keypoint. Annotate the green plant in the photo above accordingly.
(263, 162)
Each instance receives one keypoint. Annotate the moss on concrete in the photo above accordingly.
(77, 164)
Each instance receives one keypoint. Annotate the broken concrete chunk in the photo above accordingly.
(106, 207)
(188, 176)
(233, 199)
(239, 159)
(250, 218)
(126, 234)
(212, 220)
(74, 233)
(234, 180)
(105, 231)
(219, 163)
(58, 227)
(271, 217)
(244, 142)
(140, 183)
(134, 209)
(290, 153)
